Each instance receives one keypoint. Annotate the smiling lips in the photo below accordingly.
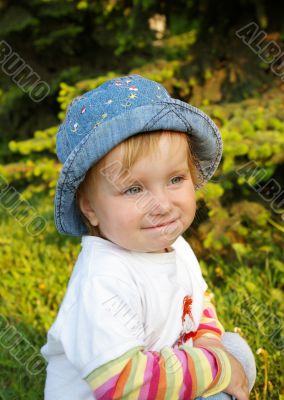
(161, 225)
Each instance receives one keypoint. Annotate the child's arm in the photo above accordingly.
(183, 373)
(209, 326)
(209, 334)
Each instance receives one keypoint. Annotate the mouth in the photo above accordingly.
(161, 225)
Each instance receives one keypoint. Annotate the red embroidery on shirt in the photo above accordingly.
(187, 321)
(187, 302)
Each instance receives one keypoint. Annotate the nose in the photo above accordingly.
(161, 203)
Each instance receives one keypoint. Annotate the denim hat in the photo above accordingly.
(102, 118)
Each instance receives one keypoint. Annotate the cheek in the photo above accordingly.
(125, 212)
(189, 201)
(188, 193)
(193, 204)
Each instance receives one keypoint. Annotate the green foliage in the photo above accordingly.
(79, 39)
(21, 17)
(253, 148)
(35, 271)
(35, 293)
(238, 230)
(248, 296)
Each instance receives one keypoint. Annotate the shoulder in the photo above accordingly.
(103, 260)
(187, 255)
(182, 246)
(97, 274)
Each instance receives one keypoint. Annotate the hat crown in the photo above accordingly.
(97, 106)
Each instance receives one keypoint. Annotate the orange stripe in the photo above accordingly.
(203, 331)
(122, 380)
(162, 387)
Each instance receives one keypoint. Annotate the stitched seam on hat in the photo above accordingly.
(218, 139)
(189, 127)
(187, 124)
(70, 184)
(157, 117)
(192, 108)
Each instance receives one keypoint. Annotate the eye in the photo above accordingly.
(133, 189)
(129, 191)
(177, 177)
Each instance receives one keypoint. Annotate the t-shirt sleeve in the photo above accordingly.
(102, 324)
(182, 373)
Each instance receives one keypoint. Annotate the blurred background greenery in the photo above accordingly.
(191, 47)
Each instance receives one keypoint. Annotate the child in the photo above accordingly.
(136, 321)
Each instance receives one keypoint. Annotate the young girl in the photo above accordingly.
(136, 321)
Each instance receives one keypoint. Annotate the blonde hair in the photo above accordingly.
(135, 148)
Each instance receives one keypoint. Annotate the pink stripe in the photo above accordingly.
(155, 377)
(212, 328)
(147, 376)
(208, 312)
(186, 389)
(212, 362)
(106, 390)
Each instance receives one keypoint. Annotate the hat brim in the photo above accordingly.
(170, 115)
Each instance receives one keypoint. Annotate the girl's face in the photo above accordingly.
(157, 190)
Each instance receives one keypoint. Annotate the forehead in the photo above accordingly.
(171, 155)
(170, 147)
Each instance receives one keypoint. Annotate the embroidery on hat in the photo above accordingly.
(97, 124)
(160, 87)
(132, 96)
(75, 127)
(127, 104)
(103, 116)
(124, 83)
(109, 101)
(83, 110)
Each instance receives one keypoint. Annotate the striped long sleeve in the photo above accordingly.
(174, 373)
(209, 325)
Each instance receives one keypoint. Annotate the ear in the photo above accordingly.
(87, 210)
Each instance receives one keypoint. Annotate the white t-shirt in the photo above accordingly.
(118, 299)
